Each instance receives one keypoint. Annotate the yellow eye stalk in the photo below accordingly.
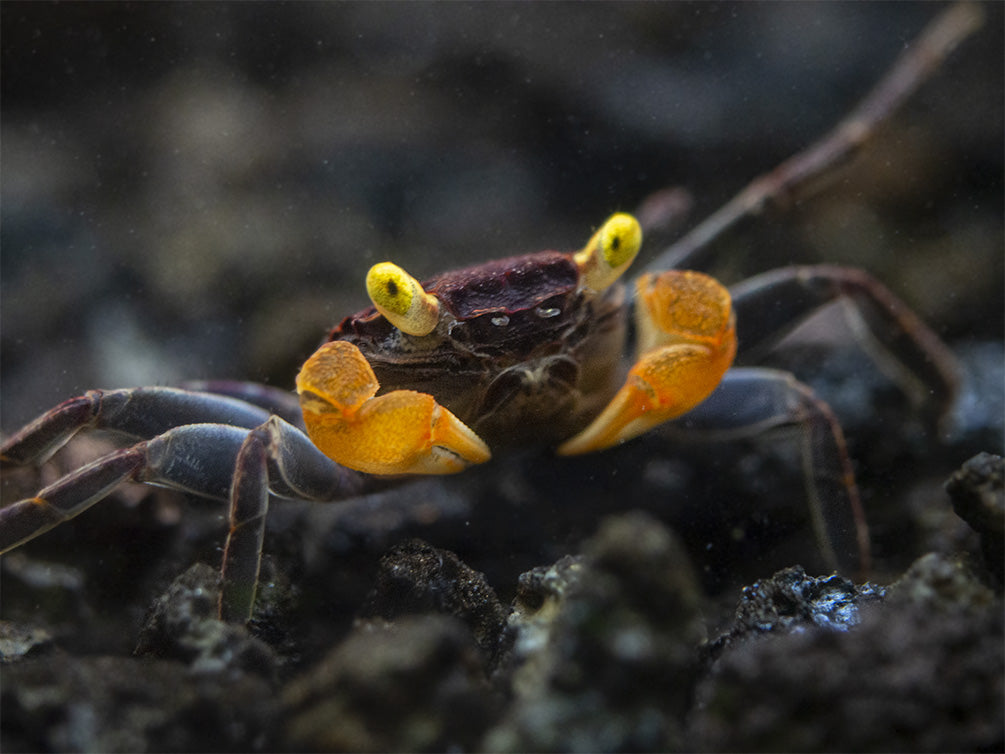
(400, 298)
(610, 252)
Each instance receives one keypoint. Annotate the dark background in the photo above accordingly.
(197, 190)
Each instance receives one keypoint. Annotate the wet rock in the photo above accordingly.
(540, 594)
(977, 490)
(979, 416)
(55, 588)
(122, 704)
(182, 625)
(19, 640)
(612, 648)
(416, 578)
(942, 583)
(415, 685)
(791, 600)
(908, 677)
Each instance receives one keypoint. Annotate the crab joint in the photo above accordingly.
(401, 432)
(687, 341)
(401, 299)
(610, 251)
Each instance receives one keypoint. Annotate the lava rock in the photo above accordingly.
(414, 685)
(920, 672)
(182, 625)
(416, 578)
(123, 704)
(612, 648)
(21, 640)
(791, 600)
(977, 490)
(941, 583)
(540, 594)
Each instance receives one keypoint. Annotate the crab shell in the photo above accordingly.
(526, 355)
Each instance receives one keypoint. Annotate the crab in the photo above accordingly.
(437, 376)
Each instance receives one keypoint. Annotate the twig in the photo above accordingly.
(792, 179)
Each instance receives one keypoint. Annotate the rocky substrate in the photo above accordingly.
(615, 648)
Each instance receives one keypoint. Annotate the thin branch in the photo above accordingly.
(795, 178)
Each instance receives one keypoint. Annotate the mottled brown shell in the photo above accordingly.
(506, 286)
(502, 287)
(524, 355)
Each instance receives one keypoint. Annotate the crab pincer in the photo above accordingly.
(687, 340)
(401, 432)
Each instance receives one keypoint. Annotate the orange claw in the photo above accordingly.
(687, 341)
(401, 432)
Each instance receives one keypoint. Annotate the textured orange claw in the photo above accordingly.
(401, 432)
(687, 341)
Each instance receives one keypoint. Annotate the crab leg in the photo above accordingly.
(750, 401)
(686, 341)
(196, 458)
(279, 458)
(170, 459)
(138, 412)
(249, 505)
(769, 306)
(211, 460)
(795, 178)
(67, 497)
(401, 432)
(279, 401)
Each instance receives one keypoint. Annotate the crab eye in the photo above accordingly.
(610, 251)
(400, 298)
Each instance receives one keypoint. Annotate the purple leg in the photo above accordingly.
(284, 403)
(750, 401)
(273, 456)
(68, 497)
(249, 504)
(243, 462)
(140, 413)
(771, 305)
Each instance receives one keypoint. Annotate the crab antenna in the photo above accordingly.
(610, 251)
(401, 299)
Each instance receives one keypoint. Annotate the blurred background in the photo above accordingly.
(196, 190)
